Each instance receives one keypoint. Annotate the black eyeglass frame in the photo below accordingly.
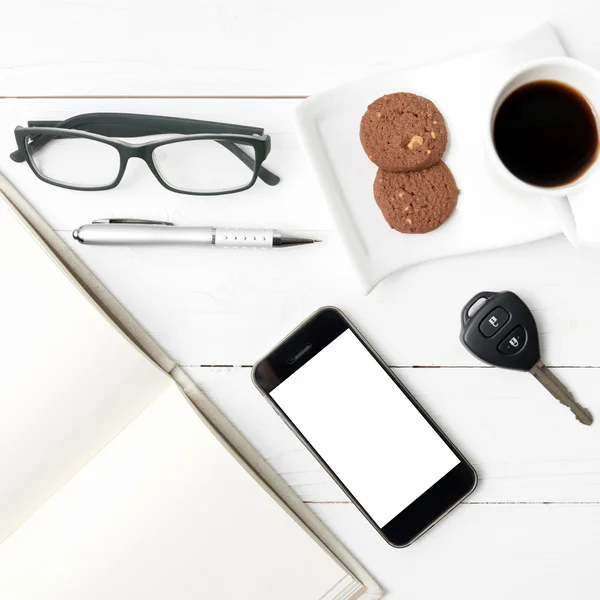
(100, 126)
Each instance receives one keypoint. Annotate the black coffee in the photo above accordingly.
(545, 133)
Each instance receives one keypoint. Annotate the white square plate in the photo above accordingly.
(487, 216)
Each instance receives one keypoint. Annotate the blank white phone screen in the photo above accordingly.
(364, 427)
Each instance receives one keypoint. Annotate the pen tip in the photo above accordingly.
(286, 239)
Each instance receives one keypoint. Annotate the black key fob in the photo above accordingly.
(500, 331)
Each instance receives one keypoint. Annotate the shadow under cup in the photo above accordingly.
(545, 126)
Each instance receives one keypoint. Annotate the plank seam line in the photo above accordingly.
(472, 503)
(217, 366)
(153, 97)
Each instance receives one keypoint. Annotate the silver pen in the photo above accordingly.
(138, 232)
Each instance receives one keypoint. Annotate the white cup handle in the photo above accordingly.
(566, 218)
(579, 214)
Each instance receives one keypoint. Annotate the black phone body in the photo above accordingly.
(364, 427)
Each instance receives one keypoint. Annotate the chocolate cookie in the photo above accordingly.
(418, 201)
(403, 132)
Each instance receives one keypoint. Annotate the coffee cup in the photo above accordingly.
(565, 170)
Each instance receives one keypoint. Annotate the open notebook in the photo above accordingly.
(111, 483)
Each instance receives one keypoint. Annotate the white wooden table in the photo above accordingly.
(532, 528)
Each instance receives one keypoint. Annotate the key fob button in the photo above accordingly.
(493, 322)
(513, 342)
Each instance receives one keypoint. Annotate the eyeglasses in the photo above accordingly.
(197, 157)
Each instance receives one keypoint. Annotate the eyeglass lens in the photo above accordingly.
(202, 165)
(75, 161)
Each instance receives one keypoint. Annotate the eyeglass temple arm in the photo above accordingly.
(133, 125)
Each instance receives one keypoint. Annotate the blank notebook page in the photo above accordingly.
(69, 380)
(165, 512)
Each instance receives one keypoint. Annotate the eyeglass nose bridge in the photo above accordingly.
(129, 151)
(134, 151)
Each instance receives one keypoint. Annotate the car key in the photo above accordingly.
(499, 329)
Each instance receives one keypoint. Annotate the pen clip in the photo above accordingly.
(134, 222)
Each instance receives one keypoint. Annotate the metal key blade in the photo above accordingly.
(541, 372)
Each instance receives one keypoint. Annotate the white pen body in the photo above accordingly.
(126, 234)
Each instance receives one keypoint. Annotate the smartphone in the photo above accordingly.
(364, 427)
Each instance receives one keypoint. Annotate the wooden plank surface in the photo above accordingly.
(493, 552)
(258, 47)
(525, 446)
(210, 308)
(532, 528)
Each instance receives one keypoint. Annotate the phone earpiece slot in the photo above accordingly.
(306, 348)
